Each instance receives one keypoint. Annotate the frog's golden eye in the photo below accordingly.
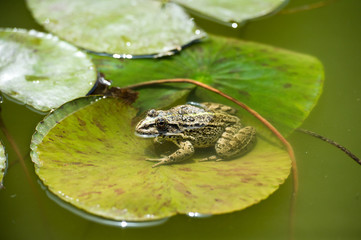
(161, 123)
(152, 113)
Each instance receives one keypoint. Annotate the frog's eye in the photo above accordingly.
(161, 123)
(152, 113)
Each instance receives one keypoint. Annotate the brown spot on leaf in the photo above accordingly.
(244, 93)
(81, 122)
(119, 191)
(88, 193)
(185, 169)
(99, 125)
(287, 85)
(210, 187)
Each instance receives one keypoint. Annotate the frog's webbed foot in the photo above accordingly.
(211, 158)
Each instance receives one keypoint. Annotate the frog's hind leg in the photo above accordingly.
(235, 141)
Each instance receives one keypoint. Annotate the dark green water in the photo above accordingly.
(329, 202)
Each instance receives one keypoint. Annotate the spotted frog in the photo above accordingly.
(197, 125)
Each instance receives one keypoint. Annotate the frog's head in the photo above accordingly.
(154, 124)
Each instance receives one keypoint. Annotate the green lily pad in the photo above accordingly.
(42, 71)
(87, 154)
(230, 11)
(123, 28)
(2, 163)
(283, 86)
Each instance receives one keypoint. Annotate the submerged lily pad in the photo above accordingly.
(40, 70)
(124, 28)
(87, 154)
(2, 163)
(230, 11)
(283, 86)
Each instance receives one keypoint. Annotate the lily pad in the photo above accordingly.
(87, 154)
(230, 11)
(124, 28)
(2, 164)
(42, 71)
(283, 86)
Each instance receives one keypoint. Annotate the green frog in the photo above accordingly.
(197, 125)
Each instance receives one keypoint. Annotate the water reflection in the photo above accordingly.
(97, 219)
(110, 222)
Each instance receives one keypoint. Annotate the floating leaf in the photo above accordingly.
(230, 11)
(87, 154)
(2, 163)
(40, 70)
(124, 28)
(283, 86)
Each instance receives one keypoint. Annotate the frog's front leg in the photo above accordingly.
(185, 151)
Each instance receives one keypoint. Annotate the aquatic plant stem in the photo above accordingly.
(27, 174)
(16, 149)
(339, 146)
(255, 114)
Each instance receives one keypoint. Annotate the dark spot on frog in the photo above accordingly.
(287, 85)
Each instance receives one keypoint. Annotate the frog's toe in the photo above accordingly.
(155, 159)
(158, 164)
(160, 161)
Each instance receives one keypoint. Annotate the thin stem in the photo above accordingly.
(17, 150)
(25, 169)
(255, 114)
(307, 7)
(339, 146)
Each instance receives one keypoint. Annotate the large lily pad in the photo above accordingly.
(2, 163)
(40, 70)
(230, 11)
(86, 152)
(124, 28)
(283, 86)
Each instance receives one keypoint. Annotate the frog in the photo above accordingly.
(197, 125)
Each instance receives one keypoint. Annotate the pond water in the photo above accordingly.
(329, 200)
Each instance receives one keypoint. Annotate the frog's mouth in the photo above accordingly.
(146, 135)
